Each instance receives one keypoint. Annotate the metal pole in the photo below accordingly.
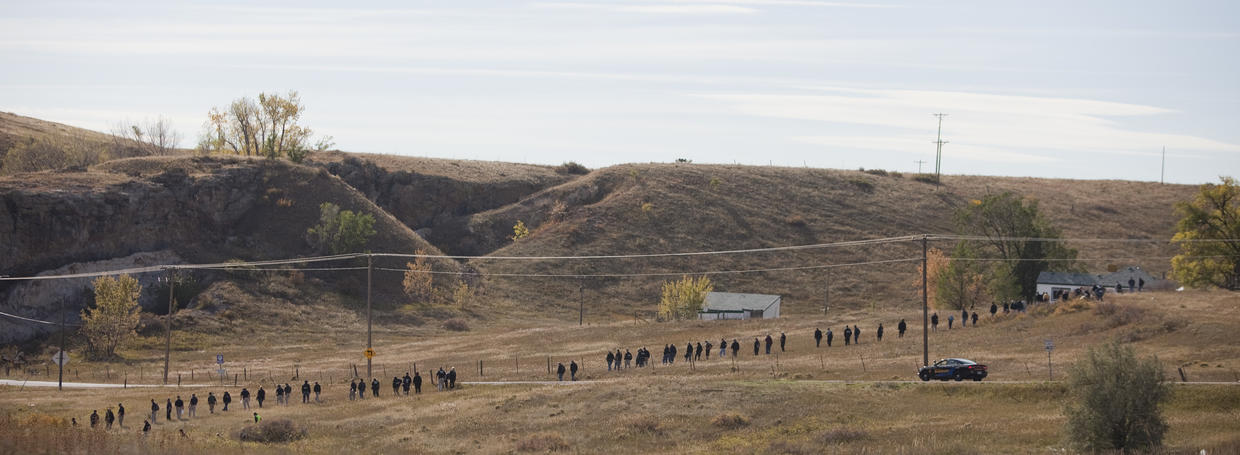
(1162, 176)
(1049, 371)
(168, 326)
(60, 377)
(368, 321)
(938, 152)
(925, 306)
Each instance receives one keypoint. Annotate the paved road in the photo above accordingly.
(89, 385)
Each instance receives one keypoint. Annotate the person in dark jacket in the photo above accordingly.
(120, 415)
(559, 371)
(279, 395)
(146, 427)
(154, 411)
(847, 335)
(210, 403)
(180, 404)
(757, 345)
(618, 357)
(193, 405)
(94, 419)
(817, 337)
(374, 387)
(736, 348)
(723, 347)
(783, 339)
(974, 319)
(830, 336)
(902, 326)
(964, 316)
(993, 309)
(880, 332)
(452, 378)
(672, 358)
(628, 356)
(417, 383)
(305, 392)
(688, 351)
(769, 342)
(245, 398)
(395, 385)
(572, 369)
(610, 357)
(709, 347)
(856, 334)
(260, 396)
(108, 419)
(227, 399)
(406, 383)
(168, 410)
(319, 389)
(934, 322)
(697, 353)
(288, 393)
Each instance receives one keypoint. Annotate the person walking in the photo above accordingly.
(736, 348)
(618, 357)
(697, 353)
(154, 411)
(783, 339)
(934, 322)
(756, 346)
(168, 410)
(352, 389)
(628, 356)
(994, 309)
(723, 347)
(108, 418)
(94, 419)
(305, 392)
(227, 399)
(964, 316)
(193, 405)
(709, 347)
(279, 395)
(974, 319)
(442, 376)
(361, 388)
(319, 389)
(880, 332)
(245, 398)
(817, 337)
(260, 396)
(950, 319)
(856, 334)
(847, 335)
(902, 326)
(146, 428)
(688, 351)
(288, 393)
(396, 385)
(830, 336)
(452, 378)
(769, 342)
(610, 358)
(374, 387)
(406, 383)
(572, 369)
(120, 415)
(417, 383)
(180, 404)
(210, 403)
(559, 372)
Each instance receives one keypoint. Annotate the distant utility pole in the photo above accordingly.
(938, 152)
(1162, 176)
(369, 338)
(919, 163)
(168, 322)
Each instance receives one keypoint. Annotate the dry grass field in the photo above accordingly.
(801, 401)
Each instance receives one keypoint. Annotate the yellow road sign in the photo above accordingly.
(369, 353)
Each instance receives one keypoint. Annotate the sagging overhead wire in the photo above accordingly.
(653, 274)
(37, 321)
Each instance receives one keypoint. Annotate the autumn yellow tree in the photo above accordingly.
(682, 299)
(114, 315)
(1208, 234)
(268, 126)
(417, 282)
(936, 262)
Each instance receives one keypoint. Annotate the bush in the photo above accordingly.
(572, 167)
(456, 325)
(1116, 314)
(543, 442)
(643, 425)
(842, 435)
(862, 184)
(878, 172)
(796, 221)
(730, 420)
(926, 178)
(1114, 400)
(274, 430)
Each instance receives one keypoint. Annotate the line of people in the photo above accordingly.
(284, 395)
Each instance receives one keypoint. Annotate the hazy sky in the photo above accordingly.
(1048, 88)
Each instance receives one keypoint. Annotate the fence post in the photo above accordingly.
(178, 379)
(234, 379)
(480, 367)
(548, 364)
(1183, 378)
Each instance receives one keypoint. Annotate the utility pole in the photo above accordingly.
(826, 300)
(60, 376)
(168, 322)
(369, 264)
(925, 306)
(938, 153)
(581, 304)
(1162, 176)
(919, 163)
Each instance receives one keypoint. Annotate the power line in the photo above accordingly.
(652, 274)
(38, 321)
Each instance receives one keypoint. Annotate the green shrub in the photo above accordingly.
(730, 420)
(572, 167)
(1114, 400)
(926, 178)
(862, 184)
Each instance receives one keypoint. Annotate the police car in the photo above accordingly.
(957, 369)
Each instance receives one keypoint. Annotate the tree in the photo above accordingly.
(1114, 400)
(519, 231)
(55, 152)
(462, 295)
(936, 262)
(264, 127)
(682, 299)
(1015, 232)
(155, 138)
(114, 315)
(417, 282)
(341, 231)
(1209, 237)
(961, 283)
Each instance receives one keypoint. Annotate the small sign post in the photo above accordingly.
(1050, 346)
(369, 353)
(219, 359)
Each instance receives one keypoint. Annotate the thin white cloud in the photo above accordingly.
(665, 8)
(791, 3)
(913, 144)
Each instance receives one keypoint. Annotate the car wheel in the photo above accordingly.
(924, 375)
(977, 379)
(958, 376)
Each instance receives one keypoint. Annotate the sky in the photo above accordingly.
(1069, 89)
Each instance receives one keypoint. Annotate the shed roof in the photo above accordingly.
(732, 302)
(1066, 278)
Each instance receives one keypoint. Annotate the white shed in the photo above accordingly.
(727, 305)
